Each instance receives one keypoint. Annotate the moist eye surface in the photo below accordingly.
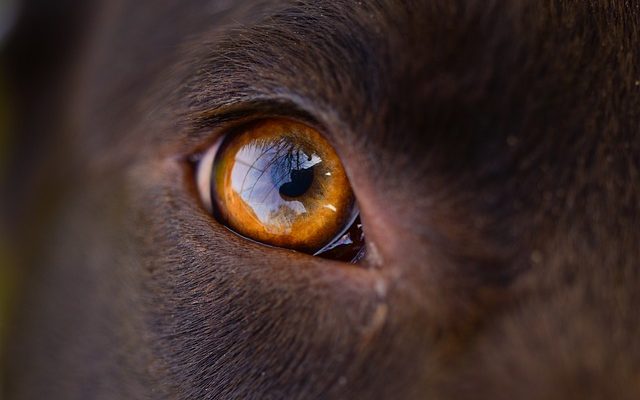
(280, 182)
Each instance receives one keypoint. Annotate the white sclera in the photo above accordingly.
(203, 175)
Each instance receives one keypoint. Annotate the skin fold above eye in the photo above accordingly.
(279, 182)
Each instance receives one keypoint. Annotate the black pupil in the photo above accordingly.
(293, 172)
(301, 180)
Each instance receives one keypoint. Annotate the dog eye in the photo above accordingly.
(281, 183)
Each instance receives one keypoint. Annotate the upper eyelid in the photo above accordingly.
(206, 127)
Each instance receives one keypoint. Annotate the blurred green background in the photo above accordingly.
(8, 268)
(37, 39)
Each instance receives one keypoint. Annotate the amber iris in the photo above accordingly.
(280, 182)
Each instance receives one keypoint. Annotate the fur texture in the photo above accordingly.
(494, 150)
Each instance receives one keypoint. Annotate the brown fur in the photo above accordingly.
(494, 150)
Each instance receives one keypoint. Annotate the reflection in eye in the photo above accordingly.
(281, 183)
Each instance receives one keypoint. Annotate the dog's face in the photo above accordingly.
(493, 150)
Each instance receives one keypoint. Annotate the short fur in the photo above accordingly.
(494, 150)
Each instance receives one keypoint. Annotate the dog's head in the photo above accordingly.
(494, 153)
